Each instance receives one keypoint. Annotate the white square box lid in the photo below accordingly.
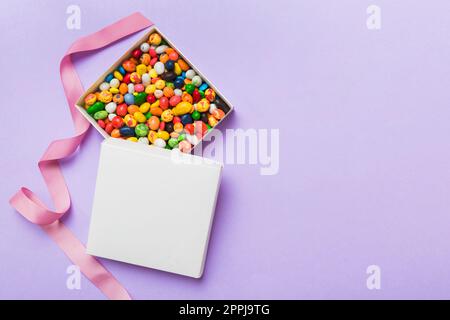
(151, 210)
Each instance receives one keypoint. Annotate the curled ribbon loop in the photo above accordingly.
(30, 206)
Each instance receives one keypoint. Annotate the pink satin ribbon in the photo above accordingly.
(30, 206)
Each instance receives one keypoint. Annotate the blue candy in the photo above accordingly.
(129, 98)
(186, 118)
(170, 65)
(203, 87)
(183, 74)
(109, 77)
(121, 70)
(126, 131)
(178, 83)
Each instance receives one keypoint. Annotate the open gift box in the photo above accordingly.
(154, 206)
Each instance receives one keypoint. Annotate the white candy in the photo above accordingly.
(178, 92)
(111, 107)
(159, 143)
(159, 67)
(197, 81)
(111, 116)
(143, 140)
(131, 88)
(114, 83)
(212, 107)
(158, 94)
(145, 79)
(145, 47)
(190, 74)
(104, 86)
(161, 49)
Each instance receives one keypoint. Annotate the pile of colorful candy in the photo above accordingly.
(154, 97)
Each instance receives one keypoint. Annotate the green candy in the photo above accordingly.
(98, 106)
(189, 88)
(202, 93)
(140, 98)
(208, 126)
(148, 115)
(181, 137)
(170, 85)
(100, 115)
(196, 115)
(141, 130)
(173, 143)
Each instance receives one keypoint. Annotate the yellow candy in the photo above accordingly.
(202, 105)
(155, 104)
(118, 75)
(152, 136)
(163, 135)
(154, 39)
(130, 121)
(105, 96)
(160, 84)
(139, 116)
(90, 99)
(153, 74)
(150, 89)
(167, 115)
(182, 108)
(177, 69)
(141, 69)
(212, 121)
(114, 90)
(134, 139)
(144, 107)
(178, 127)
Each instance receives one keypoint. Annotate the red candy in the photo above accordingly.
(109, 128)
(151, 98)
(176, 119)
(164, 103)
(189, 128)
(173, 56)
(196, 96)
(117, 122)
(136, 53)
(174, 100)
(153, 61)
(126, 78)
(153, 53)
(162, 125)
(101, 123)
(122, 110)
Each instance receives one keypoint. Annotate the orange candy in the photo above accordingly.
(183, 65)
(115, 133)
(133, 108)
(156, 111)
(129, 66)
(164, 58)
(186, 97)
(168, 92)
(118, 98)
(145, 59)
(123, 88)
(173, 55)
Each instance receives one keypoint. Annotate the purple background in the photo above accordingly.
(364, 162)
